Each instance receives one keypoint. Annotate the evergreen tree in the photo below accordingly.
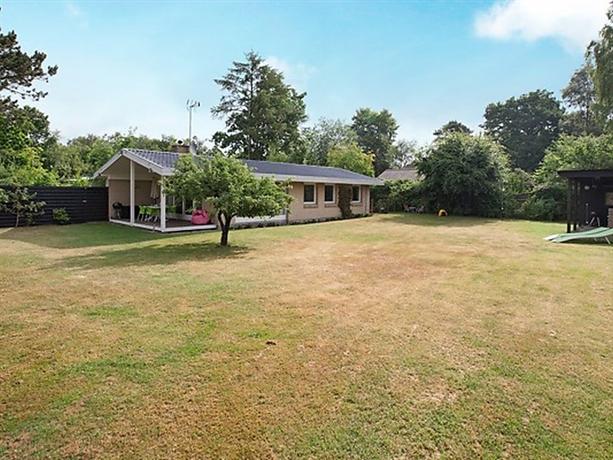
(262, 113)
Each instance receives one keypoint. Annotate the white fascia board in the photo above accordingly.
(321, 180)
(106, 165)
(136, 159)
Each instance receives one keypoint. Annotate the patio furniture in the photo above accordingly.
(142, 212)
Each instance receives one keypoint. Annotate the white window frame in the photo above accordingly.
(359, 194)
(333, 194)
(314, 194)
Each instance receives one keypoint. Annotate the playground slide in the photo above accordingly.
(595, 234)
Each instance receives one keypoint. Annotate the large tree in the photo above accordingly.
(323, 137)
(24, 131)
(24, 138)
(525, 126)
(452, 126)
(20, 71)
(405, 153)
(602, 52)
(464, 174)
(376, 132)
(262, 113)
(580, 96)
(349, 156)
(229, 187)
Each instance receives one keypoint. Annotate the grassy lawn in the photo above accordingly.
(386, 337)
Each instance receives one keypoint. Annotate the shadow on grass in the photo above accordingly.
(429, 220)
(80, 235)
(164, 254)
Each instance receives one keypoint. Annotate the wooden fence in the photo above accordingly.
(83, 204)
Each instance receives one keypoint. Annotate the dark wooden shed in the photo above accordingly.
(589, 198)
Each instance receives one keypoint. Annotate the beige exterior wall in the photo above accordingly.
(300, 211)
(119, 190)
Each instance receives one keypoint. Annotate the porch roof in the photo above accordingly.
(163, 163)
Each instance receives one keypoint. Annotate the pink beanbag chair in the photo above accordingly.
(200, 217)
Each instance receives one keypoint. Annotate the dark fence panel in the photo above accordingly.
(83, 204)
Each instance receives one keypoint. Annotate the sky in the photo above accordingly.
(133, 64)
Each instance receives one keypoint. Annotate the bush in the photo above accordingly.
(394, 195)
(20, 203)
(61, 216)
(518, 186)
(344, 201)
(465, 175)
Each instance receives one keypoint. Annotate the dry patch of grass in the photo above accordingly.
(392, 336)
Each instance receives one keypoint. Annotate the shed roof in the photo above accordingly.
(586, 173)
(409, 173)
(163, 163)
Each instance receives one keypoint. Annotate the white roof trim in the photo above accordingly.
(136, 159)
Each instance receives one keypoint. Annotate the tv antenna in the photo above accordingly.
(191, 104)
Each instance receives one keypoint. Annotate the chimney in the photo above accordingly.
(181, 147)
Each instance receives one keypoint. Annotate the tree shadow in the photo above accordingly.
(155, 254)
(80, 235)
(430, 220)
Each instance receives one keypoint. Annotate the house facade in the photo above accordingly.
(136, 197)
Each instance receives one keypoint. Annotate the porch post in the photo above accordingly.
(131, 192)
(162, 208)
(568, 205)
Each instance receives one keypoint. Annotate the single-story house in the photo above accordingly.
(589, 198)
(133, 178)
(391, 174)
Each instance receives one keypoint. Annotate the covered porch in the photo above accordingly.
(138, 199)
(589, 198)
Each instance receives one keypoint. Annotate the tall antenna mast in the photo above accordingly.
(191, 104)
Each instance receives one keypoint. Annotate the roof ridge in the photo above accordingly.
(303, 164)
(148, 150)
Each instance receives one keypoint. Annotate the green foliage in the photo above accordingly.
(61, 216)
(349, 156)
(548, 199)
(229, 187)
(19, 71)
(376, 132)
(404, 153)
(395, 194)
(602, 52)
(580, 96)
(464, 174)
(525, 126)
(323, 137)
(21, 203)
(452, 126)
(24, 135)
(585, 152)
(344, 201)
(518, 185)
(262, 113)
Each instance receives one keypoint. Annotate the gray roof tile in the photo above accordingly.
(168, 160)
(399, 174)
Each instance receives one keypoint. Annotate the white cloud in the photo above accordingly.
(296, 74)
(76, 13)
(572, 22)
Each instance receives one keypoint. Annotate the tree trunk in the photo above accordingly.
(224, 223)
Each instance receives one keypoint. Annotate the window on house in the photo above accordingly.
(355, 193)
(329, 193)
(309, 194)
